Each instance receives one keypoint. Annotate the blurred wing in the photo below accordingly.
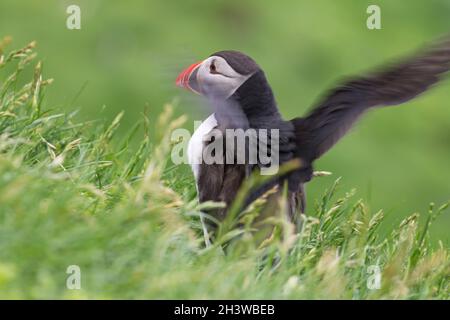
(335, 115)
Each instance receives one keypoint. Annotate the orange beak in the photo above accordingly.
(188, 78)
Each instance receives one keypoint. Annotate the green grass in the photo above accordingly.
(75, 194)
(126, 57)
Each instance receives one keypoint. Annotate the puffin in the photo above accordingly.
(241, 98)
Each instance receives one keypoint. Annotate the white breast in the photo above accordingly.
(195, 146)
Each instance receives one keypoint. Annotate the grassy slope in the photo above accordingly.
(126, 57)
(69, 196)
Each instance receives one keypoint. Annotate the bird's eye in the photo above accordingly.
(212, 68)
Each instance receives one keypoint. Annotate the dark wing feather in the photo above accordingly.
(336, 114)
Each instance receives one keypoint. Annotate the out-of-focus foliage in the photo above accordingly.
(127, 55)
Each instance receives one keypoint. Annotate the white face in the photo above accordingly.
(216, 79)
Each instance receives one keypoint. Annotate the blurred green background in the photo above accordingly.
(128, 53)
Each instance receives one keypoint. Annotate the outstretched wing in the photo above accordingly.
(334, 116)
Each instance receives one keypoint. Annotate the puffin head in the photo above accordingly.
(218, 76)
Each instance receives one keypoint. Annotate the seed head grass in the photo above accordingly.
(74, 193)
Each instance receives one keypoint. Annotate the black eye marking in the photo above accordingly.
(212, 68)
